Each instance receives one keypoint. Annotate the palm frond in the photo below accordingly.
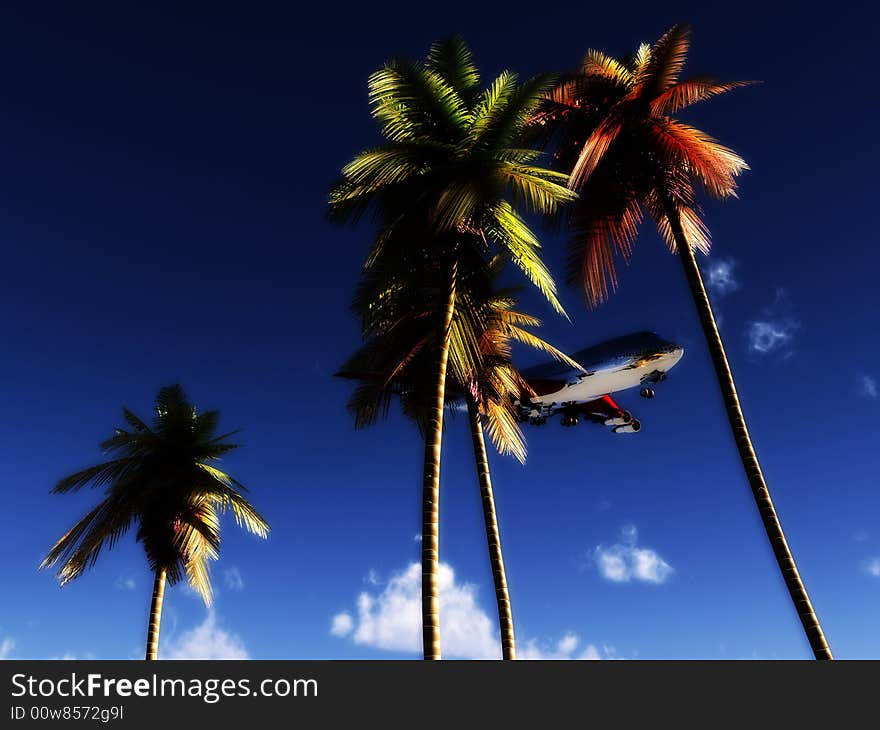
(97, 476)
(686, 93)
(666, 60)
(598, 64)
(451, 59)
(514, 236)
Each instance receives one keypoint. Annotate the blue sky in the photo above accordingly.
(161, 216)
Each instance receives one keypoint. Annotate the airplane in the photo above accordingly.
(634, 360)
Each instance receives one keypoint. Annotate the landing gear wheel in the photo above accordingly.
(647, 392)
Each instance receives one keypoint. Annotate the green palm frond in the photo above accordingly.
(452, 60)
(510, 231)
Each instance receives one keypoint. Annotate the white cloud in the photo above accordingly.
(342, 624)
(207, 640)
(773, 332)
(373, 578)
(6, 647)
(872, 567)
(768, 336)
(125, 583)
(625, 561)
(392, 620)
(870, 389)
(232, 579)
(720, 277)
(568, 647)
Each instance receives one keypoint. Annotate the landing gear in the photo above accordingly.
(569, 421)
(538, 421)
(647, 392)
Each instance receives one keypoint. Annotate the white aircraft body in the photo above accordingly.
(632, 361)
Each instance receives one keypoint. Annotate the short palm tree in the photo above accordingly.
(161, 479)
(394, 363)
(626, 153)
(445, 188)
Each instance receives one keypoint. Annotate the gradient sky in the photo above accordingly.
(163, 174)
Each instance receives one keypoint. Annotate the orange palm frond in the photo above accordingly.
(666, 60)
(603, 234)
(693, 227)
(593, 151)
(686, 93)
(713, 164)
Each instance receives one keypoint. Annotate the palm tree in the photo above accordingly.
(393, 363)
(625, 152)
(444, 188)
(160, 479)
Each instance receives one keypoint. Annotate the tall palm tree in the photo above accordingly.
(161, 479)
(444, 187)
(625, 152)
(393, 363)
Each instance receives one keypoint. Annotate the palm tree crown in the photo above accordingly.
(161, 480)
(626, 153)
(452, 167)
(396, 363)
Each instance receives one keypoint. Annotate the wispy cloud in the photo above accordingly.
(207, 640)
(568, 647)
(767, 336)
(232, 579)
(720, 278)
(625, 561)
(125, 583)
(6, 647)
(872, 567)
(372, 578)
(773, 332)
(391, 619)
(869, 387)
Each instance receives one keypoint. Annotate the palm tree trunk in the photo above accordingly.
(155, 615)
(431, 490)
(502, 598)
(761, 493)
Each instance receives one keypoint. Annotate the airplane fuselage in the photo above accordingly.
(636, 360)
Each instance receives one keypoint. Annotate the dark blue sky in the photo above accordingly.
(163, 174)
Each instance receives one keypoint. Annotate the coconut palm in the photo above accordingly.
(446, 188)
(160, 479)
(627, 154)
(394, 363)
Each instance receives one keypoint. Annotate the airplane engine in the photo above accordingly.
(633, 427)
(621, 421)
